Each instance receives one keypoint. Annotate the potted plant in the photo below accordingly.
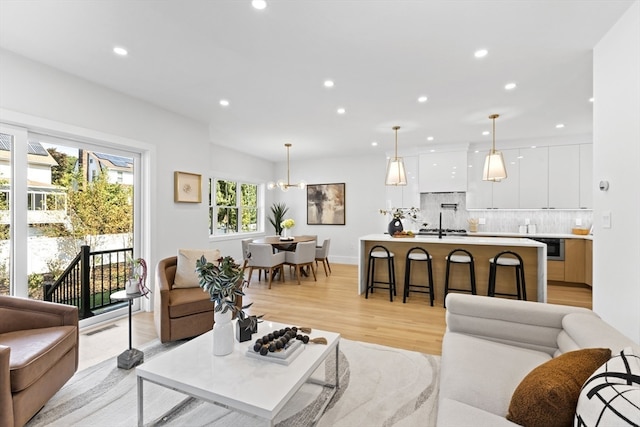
(278, 210)
(137, 277)
(224, 281)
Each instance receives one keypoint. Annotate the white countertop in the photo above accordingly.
(532, 236)
(477, 239)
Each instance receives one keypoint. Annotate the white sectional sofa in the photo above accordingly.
(491, 344)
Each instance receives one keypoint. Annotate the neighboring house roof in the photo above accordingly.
(35, 186)
(36, 153)
(112, 162)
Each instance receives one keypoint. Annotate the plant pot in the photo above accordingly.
(395, 226)
(222, 333)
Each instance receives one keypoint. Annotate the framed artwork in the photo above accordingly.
(187, 187)
(325, 204)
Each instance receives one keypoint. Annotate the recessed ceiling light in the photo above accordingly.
(422, 99)
(477, 151)
(510, 86)
(328, 83)
(224, 102)
(470, 166)
(430, 138)
(120, 51)
(374, 144)
(486, 132)
(435, 164)
(534, 146)
(258, 4)
(432, 151)
(341, 110)
(559, 126)
(591, 99)
(481, 53)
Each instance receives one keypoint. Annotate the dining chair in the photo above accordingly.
(261, 256)
(304, 255)
(322, 254)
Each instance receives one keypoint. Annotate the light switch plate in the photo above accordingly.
(606, 219)
(482, 221)
(578, 221)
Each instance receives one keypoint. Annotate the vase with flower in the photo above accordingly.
(287, 225)
(224, 281)
(398, 214)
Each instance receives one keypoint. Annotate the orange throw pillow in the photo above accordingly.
(548, 395)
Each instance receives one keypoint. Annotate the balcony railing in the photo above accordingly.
(90, 279)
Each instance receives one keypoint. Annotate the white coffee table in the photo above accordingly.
(260, 388)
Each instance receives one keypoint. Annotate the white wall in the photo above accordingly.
(616, 250)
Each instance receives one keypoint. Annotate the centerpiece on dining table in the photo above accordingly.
(287, 225)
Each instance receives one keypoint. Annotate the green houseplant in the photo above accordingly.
(224, 281)
(278, 211)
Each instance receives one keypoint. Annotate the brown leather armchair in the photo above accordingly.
(38, 355)
(180, 312)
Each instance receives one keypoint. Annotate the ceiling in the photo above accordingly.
(382, 55)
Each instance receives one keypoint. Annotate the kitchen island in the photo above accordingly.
(533, 253)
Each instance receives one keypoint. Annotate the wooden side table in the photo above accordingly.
(131, 357)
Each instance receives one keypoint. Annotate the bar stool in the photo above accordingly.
(507, 259)
(420, 255)
(456, 257)
(382, 253)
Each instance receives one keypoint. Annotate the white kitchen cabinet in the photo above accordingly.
(534, 177)
(564, 177)
(479, 192)
(405, 196)
(443, 172)
(506, 193)
(587, 185)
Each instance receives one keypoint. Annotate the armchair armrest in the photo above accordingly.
(18, 314)
(6, 401)
(524, 324)
(165, 275)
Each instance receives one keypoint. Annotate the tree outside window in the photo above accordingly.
(233, 207)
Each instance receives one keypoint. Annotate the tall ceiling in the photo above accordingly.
(185, 56)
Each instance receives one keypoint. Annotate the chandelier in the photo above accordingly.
(281, 184)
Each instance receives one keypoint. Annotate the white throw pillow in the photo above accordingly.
(611, 396)
(186, 276)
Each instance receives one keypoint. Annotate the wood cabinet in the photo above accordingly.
(555, 270)
(588, 262)
(574, 260)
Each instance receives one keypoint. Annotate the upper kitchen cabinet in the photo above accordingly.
(586, 176)
(506, 193)
(534, 177)
(479, 192)
(405, 196)
(564, 177)
(443, 172)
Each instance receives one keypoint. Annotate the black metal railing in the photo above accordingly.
(90, 279)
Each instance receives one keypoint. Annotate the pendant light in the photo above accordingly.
(395, 169)
(281, 184)
(494, 169)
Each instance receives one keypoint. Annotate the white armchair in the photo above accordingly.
(322, 254)
(261, 256)
(305, 254)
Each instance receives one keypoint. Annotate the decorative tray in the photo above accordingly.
(404, 236)
(283, 357)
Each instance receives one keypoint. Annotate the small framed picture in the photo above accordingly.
(187, 187)
(325, 204)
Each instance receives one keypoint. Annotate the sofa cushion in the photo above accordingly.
(453, 413)
(484, 373)
(185, 302)
(611, 396)
(548, 395)
(34, 351)
(186, 276)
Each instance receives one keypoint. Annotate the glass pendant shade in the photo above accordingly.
(285, 185)
(395, 172)
(494, 169)
(395, 169)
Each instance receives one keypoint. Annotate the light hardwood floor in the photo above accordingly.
(331, 304)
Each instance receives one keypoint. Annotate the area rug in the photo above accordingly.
(379, 386)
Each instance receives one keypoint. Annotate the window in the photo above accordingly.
(233, 207)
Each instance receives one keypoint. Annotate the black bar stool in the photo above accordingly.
(460, 256)
(507, 259)
(380, 252)
(420, 255)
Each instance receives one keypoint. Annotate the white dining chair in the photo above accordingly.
(304, 255)
(322, 254)
(261, 256)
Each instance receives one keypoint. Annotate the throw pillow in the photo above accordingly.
(548, 395)
(611, 396)
(186, 276)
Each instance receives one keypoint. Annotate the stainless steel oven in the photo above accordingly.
(555, 247)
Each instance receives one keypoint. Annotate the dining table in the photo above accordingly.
(288, 244)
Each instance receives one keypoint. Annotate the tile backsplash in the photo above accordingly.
(497, 220)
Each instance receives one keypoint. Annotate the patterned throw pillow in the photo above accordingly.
(611, 396)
